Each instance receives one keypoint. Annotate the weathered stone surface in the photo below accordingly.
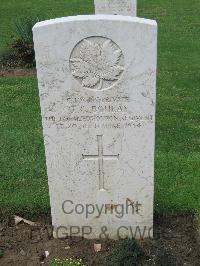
(97, 86)
(116, 7)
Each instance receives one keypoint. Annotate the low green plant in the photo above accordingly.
(67, 262)
(22, 41)
(8, 59)
(165, 258)
(1, 253)
(126, 253)
(20, 49)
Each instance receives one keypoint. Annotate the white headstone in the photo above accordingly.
(116, 7)
(97, 86)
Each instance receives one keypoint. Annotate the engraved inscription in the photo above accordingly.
(97, 63)
(98, 113)
(101, 157)
(120, 7)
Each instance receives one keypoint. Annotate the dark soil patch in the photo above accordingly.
(25, 245)
(17, 72)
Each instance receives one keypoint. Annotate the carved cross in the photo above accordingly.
(100, 157)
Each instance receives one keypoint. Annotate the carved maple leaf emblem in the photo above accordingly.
(97, 62)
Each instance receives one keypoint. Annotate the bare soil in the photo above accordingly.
(26, 245)
(17, 72)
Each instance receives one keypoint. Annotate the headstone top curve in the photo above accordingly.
(94, 17)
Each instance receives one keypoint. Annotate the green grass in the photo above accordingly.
(67, 262)
(22, 172)
(11, 10)
(23, 176)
